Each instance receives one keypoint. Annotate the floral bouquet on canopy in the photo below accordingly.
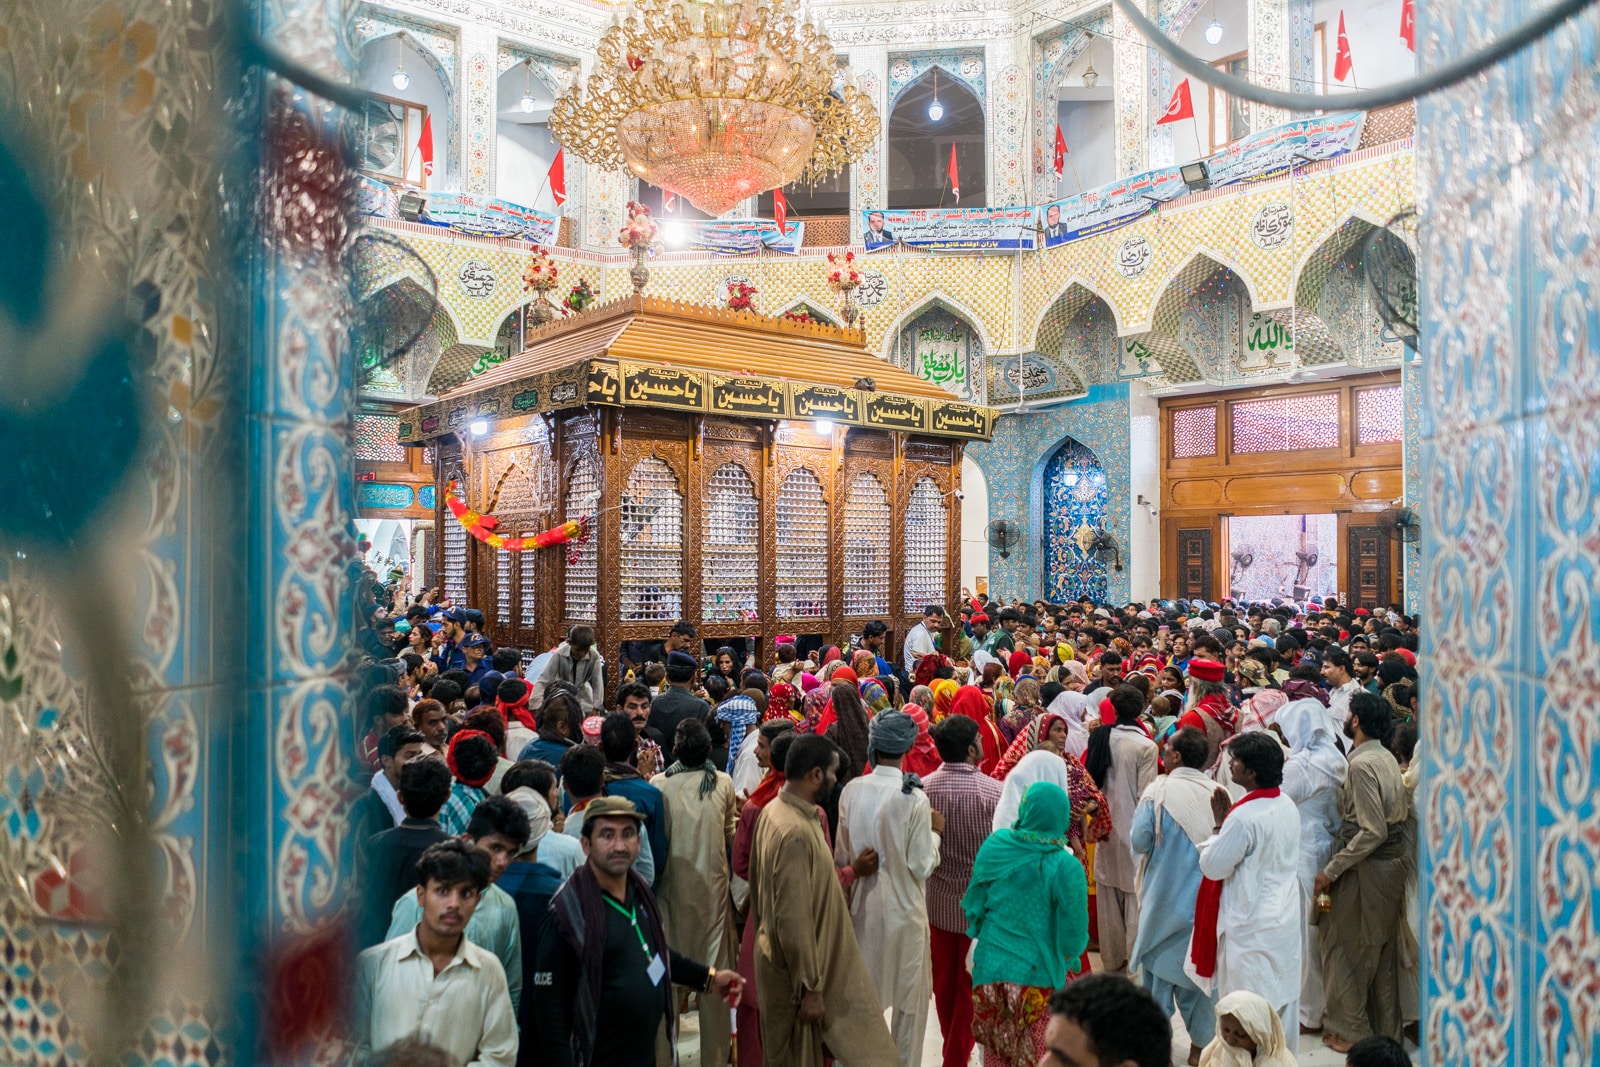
(739, 296)
(844, 278)
(638, 236)
(539, 277)
(580, 297)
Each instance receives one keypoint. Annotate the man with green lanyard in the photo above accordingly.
(611, 950)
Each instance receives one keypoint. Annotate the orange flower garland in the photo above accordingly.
(574, 532)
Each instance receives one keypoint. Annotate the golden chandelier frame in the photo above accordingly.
(716, 100)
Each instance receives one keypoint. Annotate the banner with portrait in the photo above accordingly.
(731, 237)
(1109, 206)
(973, 229)
(1269, 153)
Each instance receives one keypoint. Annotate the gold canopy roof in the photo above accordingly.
(644, 351)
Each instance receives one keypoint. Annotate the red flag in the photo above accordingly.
(953, 174)
(780, 211)
(1180, 107)
(1408, 23)
(1342, 63)
(1061, 151)
(425, 145)
(558, 176)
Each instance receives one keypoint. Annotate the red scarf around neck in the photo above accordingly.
(1208, 904)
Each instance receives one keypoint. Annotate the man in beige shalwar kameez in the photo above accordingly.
(696, 910)
(1366, 878)
(813, 985)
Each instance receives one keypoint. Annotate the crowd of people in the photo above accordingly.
(1216, 799)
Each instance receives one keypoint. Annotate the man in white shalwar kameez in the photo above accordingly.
(1131, 769)
(1311, 778)
(887, 811)
(1255, 855)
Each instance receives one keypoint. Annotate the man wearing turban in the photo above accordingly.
(887, 811)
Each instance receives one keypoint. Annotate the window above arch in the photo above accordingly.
(919, 145)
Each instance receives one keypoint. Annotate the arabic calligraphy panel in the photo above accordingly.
(940, 347)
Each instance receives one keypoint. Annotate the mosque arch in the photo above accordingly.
(431, 86)
(1202, 263)
(919, 145)
(1050, 326)
(939, 340)
(1076, 505)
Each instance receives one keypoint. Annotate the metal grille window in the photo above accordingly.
(1194, 432)
(925, 532)
(583, 573)
(866, 547)
(455, 557)
(502, 587)
(525, 569)
(1380, 415)
(1286, 423)
(802, 547)
(652, 544)
(378, 439)
(729, 555)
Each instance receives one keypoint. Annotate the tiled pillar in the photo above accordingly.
(480, 48)
(292, 745)
(1511, 555)
(1133, 91)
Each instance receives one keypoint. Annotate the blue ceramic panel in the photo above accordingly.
(1074, 510)
(1014, 463)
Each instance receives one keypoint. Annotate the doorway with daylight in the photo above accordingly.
(1290, 556)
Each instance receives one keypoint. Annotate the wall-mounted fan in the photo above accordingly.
(1243, 557)
(1004, 535)
(1401, 524)
(1104, 548)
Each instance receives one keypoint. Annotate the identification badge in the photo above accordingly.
(657, 970)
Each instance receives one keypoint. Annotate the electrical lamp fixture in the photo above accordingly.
(935, 109)
(527, 87)
(400, 79)
(1214, 28)
(1090, 76)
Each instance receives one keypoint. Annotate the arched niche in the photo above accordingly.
(1087, 117)
(428, 86)
(942, 346)
(1076, 505)
(524, 148)
(919, 145)
(1079, 328)
(1186, 21)
(1059, 61)
(396, 308)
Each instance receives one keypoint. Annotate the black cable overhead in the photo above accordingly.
(1367, 99)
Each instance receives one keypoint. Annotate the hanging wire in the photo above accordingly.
(1364, 100)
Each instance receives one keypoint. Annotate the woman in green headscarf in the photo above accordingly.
(1027, 908)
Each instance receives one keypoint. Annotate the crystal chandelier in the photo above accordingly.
(717, 101)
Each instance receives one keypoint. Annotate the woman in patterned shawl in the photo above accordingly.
(1024, 707)
(944, 695)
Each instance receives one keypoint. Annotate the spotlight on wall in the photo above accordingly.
(412, 205)
(823, 426)
(1196, 175)
(479, 427)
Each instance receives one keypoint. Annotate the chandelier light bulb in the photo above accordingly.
(527, 105)
(935, 110)
(401, 80)
(527, 87)
(1214, 32)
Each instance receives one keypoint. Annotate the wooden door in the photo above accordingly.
(1194, 563)
(1370, 570)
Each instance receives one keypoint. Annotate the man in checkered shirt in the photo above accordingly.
(966, 797)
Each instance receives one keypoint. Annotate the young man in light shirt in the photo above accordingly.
(432, 982)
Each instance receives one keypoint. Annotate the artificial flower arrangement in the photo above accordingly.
(541, 274)
(739, 296)
(640, 229)
(799, 315)
(580, 297)
(844, 276)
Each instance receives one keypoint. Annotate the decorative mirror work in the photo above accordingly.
(926, 542)
(729, 554)
(938, 346)
(502, 588)
(529, 587)
(802, 547)
(866, 548)
(1074, 512)
(583, 496)
(652, 544)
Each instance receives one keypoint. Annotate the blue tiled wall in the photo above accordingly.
(1510, 576)
(1014, 463)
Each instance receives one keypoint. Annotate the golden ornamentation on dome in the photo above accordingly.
(716, 101)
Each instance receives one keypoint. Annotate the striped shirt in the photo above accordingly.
(966, 797)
